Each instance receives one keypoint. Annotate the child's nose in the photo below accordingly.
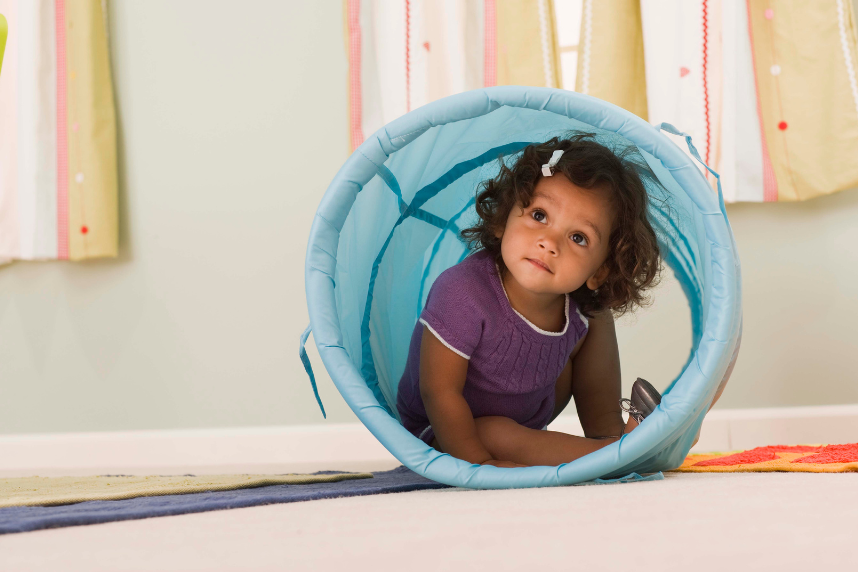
(548, 244)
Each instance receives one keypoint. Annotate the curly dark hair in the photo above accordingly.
(633, 262)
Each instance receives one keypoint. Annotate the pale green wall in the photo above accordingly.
(232, 123)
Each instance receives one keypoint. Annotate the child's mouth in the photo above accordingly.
(538, 264)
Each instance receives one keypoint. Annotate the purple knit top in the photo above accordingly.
(514, 365)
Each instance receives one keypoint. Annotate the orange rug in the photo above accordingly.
(799, 458)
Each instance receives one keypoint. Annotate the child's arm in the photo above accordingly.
(596, 379)
(442, 380)
(563, 385)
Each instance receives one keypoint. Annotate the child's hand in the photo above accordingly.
(504, 464)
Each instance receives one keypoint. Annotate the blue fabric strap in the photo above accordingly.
(671, 129)
(391, 182)
(306, 361)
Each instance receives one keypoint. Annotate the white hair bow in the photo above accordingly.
(547, 167)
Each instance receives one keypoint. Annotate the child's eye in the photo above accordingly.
(579, 239)
(537, 213)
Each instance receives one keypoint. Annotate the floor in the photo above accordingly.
(740, 521)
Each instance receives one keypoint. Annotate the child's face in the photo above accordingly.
(567, 228)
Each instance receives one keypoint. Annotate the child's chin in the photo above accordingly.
(537, 284)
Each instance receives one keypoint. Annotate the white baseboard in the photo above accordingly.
(257, 449)
(733, 429)
(352, 446)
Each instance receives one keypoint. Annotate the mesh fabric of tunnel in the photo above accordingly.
(388, 226)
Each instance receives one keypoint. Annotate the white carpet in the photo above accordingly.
(686, 522)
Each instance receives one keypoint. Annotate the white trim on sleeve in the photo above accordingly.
(583, 318)
(423, 433)
(443, 341)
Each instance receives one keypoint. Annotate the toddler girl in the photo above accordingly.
(525, 323)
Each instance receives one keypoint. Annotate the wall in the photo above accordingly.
(232, 123)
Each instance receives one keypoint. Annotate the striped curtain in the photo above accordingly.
(611, 54)
(406, 53)
(766, 88)
(58, 181)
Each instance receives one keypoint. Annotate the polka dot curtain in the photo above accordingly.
(767, 89)
(58, 181)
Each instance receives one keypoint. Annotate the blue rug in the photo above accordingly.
(401, 479)
(27, 518)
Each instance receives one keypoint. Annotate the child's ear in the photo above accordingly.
(597, 279)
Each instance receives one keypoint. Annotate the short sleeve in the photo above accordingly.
(452, 312)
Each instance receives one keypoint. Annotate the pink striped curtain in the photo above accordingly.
(406, 53)
(767, 89)
(58, 183)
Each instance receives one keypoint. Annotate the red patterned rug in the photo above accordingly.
(798, 458)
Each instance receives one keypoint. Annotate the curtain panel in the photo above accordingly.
(58, 178)
(766, 88)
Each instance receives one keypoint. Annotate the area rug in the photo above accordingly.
(788, 458)
(29, 518)
(49, 491)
